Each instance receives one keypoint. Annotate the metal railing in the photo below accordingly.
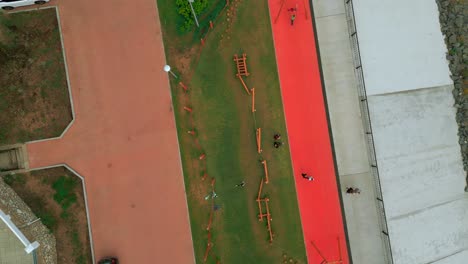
(368, 127)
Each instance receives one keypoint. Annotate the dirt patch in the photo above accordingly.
(34, 99)
(56, 196)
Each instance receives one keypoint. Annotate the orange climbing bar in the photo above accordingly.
(244, 85)
(269, 219)
(253, 99)
(259, 140)
(265, 168)
(209, 245)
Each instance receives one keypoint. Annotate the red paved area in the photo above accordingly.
(308, 132)
(124, 139)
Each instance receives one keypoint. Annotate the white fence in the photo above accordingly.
(368, 127)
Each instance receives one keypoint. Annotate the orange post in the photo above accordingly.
(211, 215)
(269, 219)
(188, 109)
(305, 10)
(259, 140)
(279, 12)
(202, 156)
(253, 99)
(209, 245)
(244, 85)
(191, 132)
(211, 24)
(339, 249)
(259, 200)
(202, 41)
(319, 252)
(183, 86)
(260, 190)
(212, 183)
(265, 167)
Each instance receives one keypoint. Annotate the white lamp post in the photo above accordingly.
(193, 12)
(167, 68)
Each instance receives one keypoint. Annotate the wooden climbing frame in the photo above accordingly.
(241, 64)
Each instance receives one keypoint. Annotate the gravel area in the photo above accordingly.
(21, 215)
(454, 24)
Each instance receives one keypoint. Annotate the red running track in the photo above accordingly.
(308, 131)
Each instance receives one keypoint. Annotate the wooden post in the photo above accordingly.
(269, 219)
(243, 84)
(320, 253)
(259, 200)
(208, 247)
(188, 109)
(253, 100)
(279, 12)
(265, 167)
(259, 140)
(305, 10)
(183, 86)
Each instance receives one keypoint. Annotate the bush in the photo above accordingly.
(64, 191)
(183, 8)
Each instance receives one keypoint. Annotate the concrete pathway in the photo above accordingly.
(350, 147)
(123, 141)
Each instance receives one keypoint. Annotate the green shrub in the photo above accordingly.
(64, 191)
(9, 179)
(183, 8)
(47, 219)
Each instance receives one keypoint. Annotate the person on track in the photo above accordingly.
(307, 177)
(351, 190)
(242, 184)
(293, 17)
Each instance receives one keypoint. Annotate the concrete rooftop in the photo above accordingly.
(413, 120)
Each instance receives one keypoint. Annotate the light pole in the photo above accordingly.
(193, 12)
(167, 68)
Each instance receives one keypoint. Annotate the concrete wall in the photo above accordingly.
(421, 174)
(413, 121)
(402, 47)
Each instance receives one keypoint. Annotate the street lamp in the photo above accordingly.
(167, 68)
(193, 12)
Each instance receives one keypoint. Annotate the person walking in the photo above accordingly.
(293, 17)
(307, 177)
(351, 190)
(242, 184)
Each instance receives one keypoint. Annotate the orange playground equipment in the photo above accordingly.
(241, 64)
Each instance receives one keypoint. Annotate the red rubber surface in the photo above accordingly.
(308, 132)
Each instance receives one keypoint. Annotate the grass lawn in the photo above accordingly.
(34, 100)
(225, 128)
(56, 196)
